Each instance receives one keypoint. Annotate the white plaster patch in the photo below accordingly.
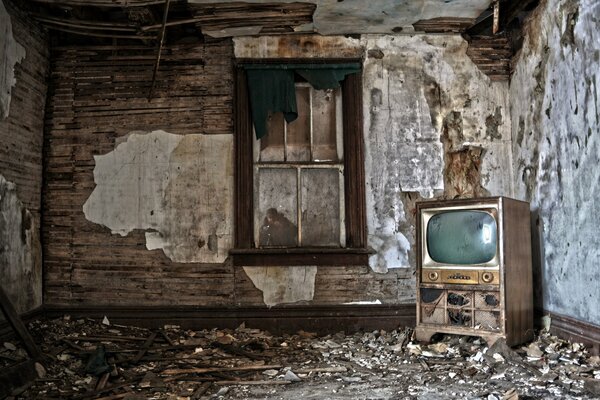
(284, 284)
(20, 251)
(11, 53)
(176, 187)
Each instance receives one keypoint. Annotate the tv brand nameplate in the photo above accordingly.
(461, 276)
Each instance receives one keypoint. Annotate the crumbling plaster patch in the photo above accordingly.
(412, 89)
(20, 251)
(284, 284)
(556, 119)
(11, 53)
(176, 187)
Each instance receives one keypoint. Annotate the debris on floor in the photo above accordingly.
(90, 359)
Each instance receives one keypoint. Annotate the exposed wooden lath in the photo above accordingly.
(492, 55)
(443, 25)
(269, 15)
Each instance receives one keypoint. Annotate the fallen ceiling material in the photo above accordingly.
(94, 359)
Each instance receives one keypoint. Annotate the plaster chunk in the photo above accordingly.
(284, 284)
(11, 53)
(176, 187)
(20, 251)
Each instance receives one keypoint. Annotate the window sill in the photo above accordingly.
(297, 257)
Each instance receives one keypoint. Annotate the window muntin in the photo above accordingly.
(299, 175)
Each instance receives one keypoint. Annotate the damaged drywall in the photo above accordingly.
(284, 284)
(176, 187)
(555, 92)
(338, 17)
(412, 87)
(11, 53)
(20, 251)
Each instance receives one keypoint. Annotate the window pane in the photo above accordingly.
(298, 132)
(324, 125)
(272, 145)
(320, 207)
(276, 210)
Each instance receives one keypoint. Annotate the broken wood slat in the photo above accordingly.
(166, 336)
(236, 350)
(102, 3)
(102, 381)
(89, 25)
(223, 383)
(97, 392)
(19, 327)
(201, 390)
(321, 369)
(144, 348)
(106, 338)
(176, 371)
(186, 378)
(98, 34)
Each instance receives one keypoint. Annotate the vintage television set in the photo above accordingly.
(474, 269)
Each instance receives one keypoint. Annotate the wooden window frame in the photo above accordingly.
(355, 252)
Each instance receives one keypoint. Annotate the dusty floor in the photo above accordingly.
(172, 363)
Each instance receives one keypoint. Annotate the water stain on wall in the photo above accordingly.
(178, 188)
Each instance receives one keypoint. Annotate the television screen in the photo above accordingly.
(462, 237)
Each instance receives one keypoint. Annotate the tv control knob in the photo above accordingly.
(487, 277)
(433, 276)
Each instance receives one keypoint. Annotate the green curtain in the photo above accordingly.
(271, 87)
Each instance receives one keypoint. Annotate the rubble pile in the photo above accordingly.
(90, 359)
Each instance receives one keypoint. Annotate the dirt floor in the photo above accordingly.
(90, 359)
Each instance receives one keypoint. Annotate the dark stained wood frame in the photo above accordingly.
(355, 253)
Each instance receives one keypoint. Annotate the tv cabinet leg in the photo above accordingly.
(424, 335)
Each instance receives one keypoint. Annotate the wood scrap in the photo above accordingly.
(222, 383)
(176, 371)
(144, 348)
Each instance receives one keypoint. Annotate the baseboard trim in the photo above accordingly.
(7, 332)
(321, 319)
(575, 330)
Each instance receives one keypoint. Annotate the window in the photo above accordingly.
(300, 189)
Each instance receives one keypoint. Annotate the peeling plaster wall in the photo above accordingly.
(176, 187)
(11, 53)
(23, 72)
(434, 126)
(555, 105)
(424, 101)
